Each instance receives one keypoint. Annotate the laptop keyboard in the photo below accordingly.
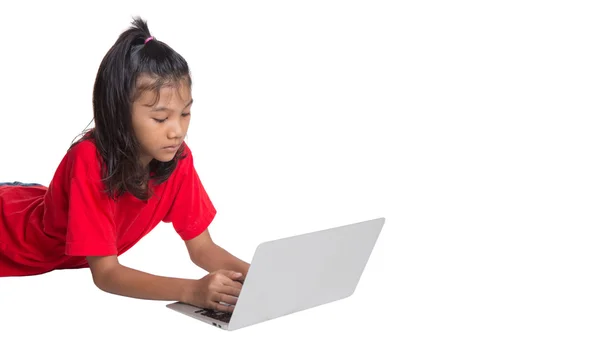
(224, 317)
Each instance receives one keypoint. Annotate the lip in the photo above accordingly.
(172, 147)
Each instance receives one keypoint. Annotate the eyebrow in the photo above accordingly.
(164, 108)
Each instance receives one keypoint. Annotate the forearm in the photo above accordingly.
(218, 258)
(125, 281)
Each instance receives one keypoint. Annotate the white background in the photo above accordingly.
(471, 126)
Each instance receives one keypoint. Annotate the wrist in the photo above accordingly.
(186, 291)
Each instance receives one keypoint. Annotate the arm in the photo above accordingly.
(220, 286)
(112, 277)
(211, 257)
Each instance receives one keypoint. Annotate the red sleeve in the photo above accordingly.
(192, 210)
(91, 225)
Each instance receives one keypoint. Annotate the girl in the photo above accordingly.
(117, 182)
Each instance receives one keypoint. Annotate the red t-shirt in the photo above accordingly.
(42, 229)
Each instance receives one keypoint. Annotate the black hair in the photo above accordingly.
(115, 89)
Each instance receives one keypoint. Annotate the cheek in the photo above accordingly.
(143, 130)
(137, 129)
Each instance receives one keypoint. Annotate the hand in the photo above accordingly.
(214, 289)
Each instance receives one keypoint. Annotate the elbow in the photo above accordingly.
(102, 269)
(202, 256)
(100, 281)
(202, 259)
(198, 261)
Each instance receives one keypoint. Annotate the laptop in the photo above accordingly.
(296, 273)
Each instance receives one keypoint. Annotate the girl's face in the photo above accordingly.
(161, 127)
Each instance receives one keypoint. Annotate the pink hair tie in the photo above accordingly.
(147, 40)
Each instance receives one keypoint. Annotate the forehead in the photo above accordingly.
(151, 92)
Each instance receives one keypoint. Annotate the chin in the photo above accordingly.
(164, 155)
(164, 158)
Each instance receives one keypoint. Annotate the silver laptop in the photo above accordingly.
(297, 273)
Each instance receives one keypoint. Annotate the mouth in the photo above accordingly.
(172, 147)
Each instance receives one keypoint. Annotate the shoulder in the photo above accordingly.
(82, 149)
(83, 157)
(80, 167)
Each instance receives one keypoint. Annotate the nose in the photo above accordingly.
(175, 130)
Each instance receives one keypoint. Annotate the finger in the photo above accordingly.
(229, 290)
(219, 307)
(231, 274)
(228, 299)
(225, 294)
(232, 283)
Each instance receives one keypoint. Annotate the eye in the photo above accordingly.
(159, 120)
(185, 114)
